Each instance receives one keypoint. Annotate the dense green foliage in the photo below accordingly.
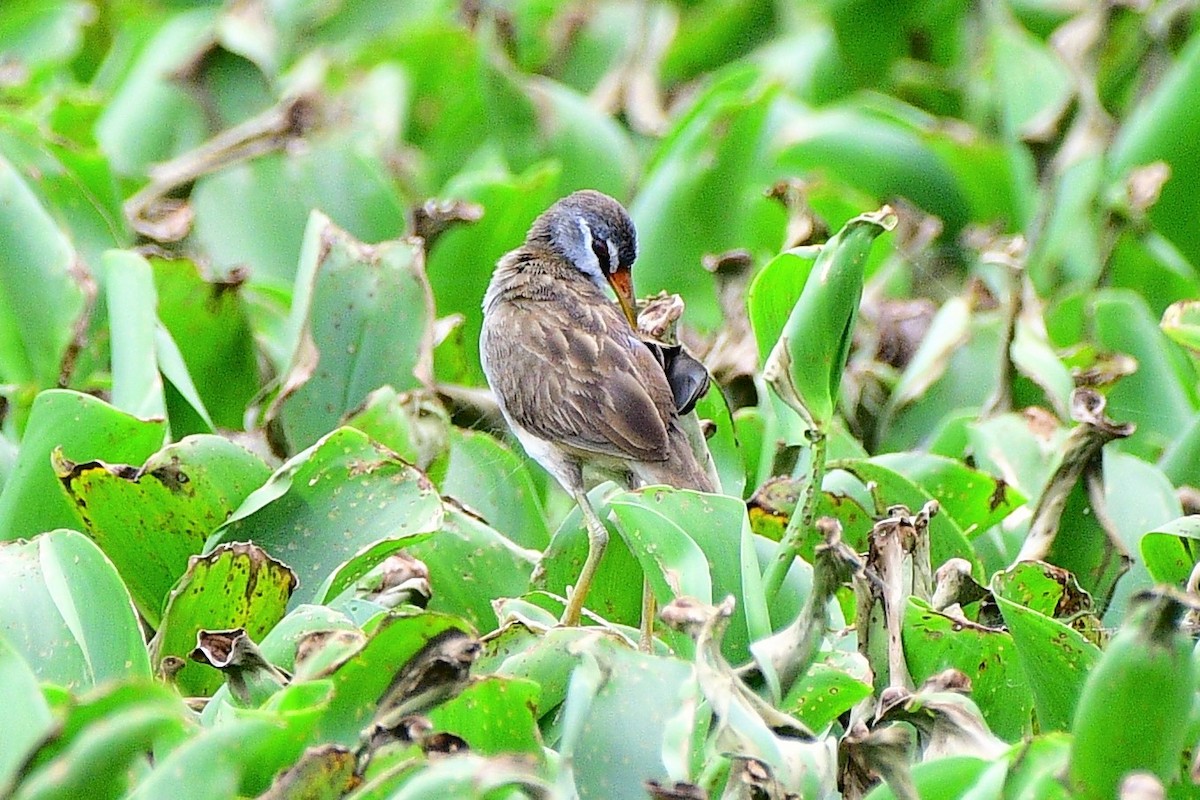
(261, 533)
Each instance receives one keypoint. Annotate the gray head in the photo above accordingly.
(593, 233)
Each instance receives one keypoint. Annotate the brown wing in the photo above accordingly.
(573, 374)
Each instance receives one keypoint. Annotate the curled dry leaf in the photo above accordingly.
(251, 678)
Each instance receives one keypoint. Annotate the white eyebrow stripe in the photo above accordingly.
(612, 255)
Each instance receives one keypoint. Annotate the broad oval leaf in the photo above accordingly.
(63, 607)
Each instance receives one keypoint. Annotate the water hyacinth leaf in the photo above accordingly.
(52, 35)
(84, 427)
(240, 757)
(384, 417)
(280, 645)
(233, 586)
(1181, 322)
(1157, 130)
(132, 303)
(806, 363)
(41, 295)
(1135, 705)
(346, 344)
(952, 370)
(1031, 81)
(598, 729)
(20, 695)
(209, 322)
(490, 479)
(101, 760)
(823, 694)
(362, 563)
(947, 540)
(658, 522)
(493, 715)
(65, 610)
(874, 152)
(934, 641)
(1172, 550)
(330, 501)
(616, 594)
(461, 260)
(360, 682)
(149, 520)
(323, 772)
(547, 659)
(702, 194)
(973, 499)
(536, 119)
(948, 778)
(1043, 588)
(1161, 396)
(774, 291)
(724, 445)
(72, 180)
(1054, 657)
(470, 565)
(79, 714)
(151, 118)
(255, 212)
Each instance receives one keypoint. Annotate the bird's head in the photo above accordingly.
(593, 233)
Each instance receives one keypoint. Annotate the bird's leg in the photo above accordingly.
(597, 541)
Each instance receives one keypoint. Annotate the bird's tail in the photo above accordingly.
(684, 468)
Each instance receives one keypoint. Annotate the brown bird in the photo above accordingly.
(586, 397)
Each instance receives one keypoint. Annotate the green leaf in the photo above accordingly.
(1159, 130)
(495, 482)
(101, 759)
(84, 715)
(823, 694)
(948, 778)
(806, 363)
(774, 291)
(41, 295)
(209, 321)
(947, 540)
(973, 499)
(1181, 322)
(65, 610)
(132, 304)
(150, 520)
(233, 586)
(149, 117)
(1055, 658)
(83, 427)
(1161, 396)
(237, 758)
(19, 694)
(470, 566)
(345, 343)
(935, 641)
(360, 681)
(493, 715)
(330, 501)
(1172, 550)
(703, 194)
(598, 729)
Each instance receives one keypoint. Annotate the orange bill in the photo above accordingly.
(622, 283)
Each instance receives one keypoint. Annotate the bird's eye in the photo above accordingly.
(602, 255)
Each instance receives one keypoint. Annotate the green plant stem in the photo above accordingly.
(803, 519)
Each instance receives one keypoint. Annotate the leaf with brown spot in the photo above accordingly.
(149, 520)
(235, 586)
(322, 508)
